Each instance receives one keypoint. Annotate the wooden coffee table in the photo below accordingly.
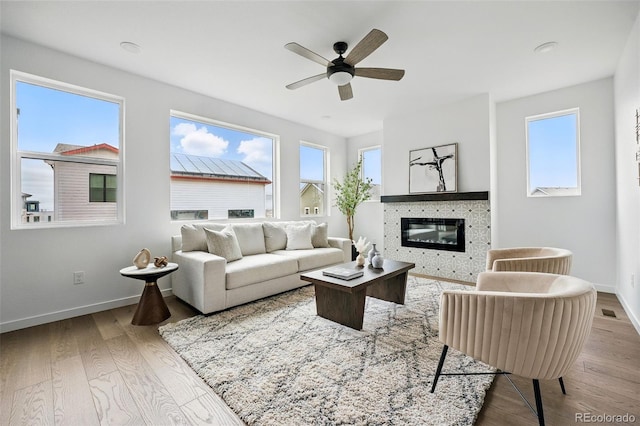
(342, 301)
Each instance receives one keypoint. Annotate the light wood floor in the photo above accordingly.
(99, 369)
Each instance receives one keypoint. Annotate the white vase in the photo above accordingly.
(360, 260)
(372, 253)
(141, 260)
(377, 261)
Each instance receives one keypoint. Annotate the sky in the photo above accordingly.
(372, 166)
(552, 152)
(311, 163)
(208, 140)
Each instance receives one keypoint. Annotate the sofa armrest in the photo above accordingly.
(176, 243)
(200, 280)
(343, 244)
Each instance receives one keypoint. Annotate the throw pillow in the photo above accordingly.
(250, 238)
(223, 243)
(320, 235)
(299, 237)
(193, 239)
(275, 237)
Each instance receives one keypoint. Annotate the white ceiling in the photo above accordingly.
(233, 50)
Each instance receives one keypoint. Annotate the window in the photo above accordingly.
(189, 214)
(102, 188)
(241, 213)
(220, 170)
(61, 135)
(553, 154)
(312, 179)
(372, 169)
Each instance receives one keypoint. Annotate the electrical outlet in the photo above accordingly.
(78, 277)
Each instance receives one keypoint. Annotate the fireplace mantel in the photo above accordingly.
(443, 196)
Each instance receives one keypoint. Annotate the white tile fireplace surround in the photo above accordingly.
(473, 207)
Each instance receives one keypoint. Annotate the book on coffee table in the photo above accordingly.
(342, 273)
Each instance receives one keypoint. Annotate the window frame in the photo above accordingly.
(275, 155)
(18, 155)
(559, 191)
(361, 151)
(325, 182)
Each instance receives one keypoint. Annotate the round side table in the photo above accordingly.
(152, 308)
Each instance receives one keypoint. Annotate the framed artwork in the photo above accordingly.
(433, 169)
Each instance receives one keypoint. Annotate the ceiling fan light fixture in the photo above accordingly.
(341, 70)
(340, 78)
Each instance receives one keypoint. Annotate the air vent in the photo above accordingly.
(608, 313)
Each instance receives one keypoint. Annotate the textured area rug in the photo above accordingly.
(275, 362)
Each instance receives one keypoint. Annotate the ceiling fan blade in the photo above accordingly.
(366, 46)
(380, 73)
(345, 92)
(303, 51)
(306, 81)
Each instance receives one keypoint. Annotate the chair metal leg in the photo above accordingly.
(564, 392)
(439, 369)
(536, 391)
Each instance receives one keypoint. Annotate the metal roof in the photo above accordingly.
(195, 165)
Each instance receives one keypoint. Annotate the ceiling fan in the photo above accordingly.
(341, 70)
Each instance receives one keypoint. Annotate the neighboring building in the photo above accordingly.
(31, 211)
(201, 187)
(84, 191)
(311, 199)
(213, 188)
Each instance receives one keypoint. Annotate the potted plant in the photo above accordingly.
(351, 192)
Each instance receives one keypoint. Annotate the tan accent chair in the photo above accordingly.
(530, 259)
(529, 324)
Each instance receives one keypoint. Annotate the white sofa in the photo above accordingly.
(268, 264)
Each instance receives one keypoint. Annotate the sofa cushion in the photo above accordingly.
(320, 235)
(193, 237)
(250, 238)
(298, 236)
(223, 243)
(314, 258)
(258, 268)
(275, 237)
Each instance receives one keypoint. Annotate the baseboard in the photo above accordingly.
(605, 288)
(632, 317)
(71, 313)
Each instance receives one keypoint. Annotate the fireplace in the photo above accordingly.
(433, 233)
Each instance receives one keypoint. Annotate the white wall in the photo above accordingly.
(37, 265)
(369, 219)
(627, 100)
(584, 224)
(465, 122)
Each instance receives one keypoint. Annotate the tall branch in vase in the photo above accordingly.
(351, 192)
